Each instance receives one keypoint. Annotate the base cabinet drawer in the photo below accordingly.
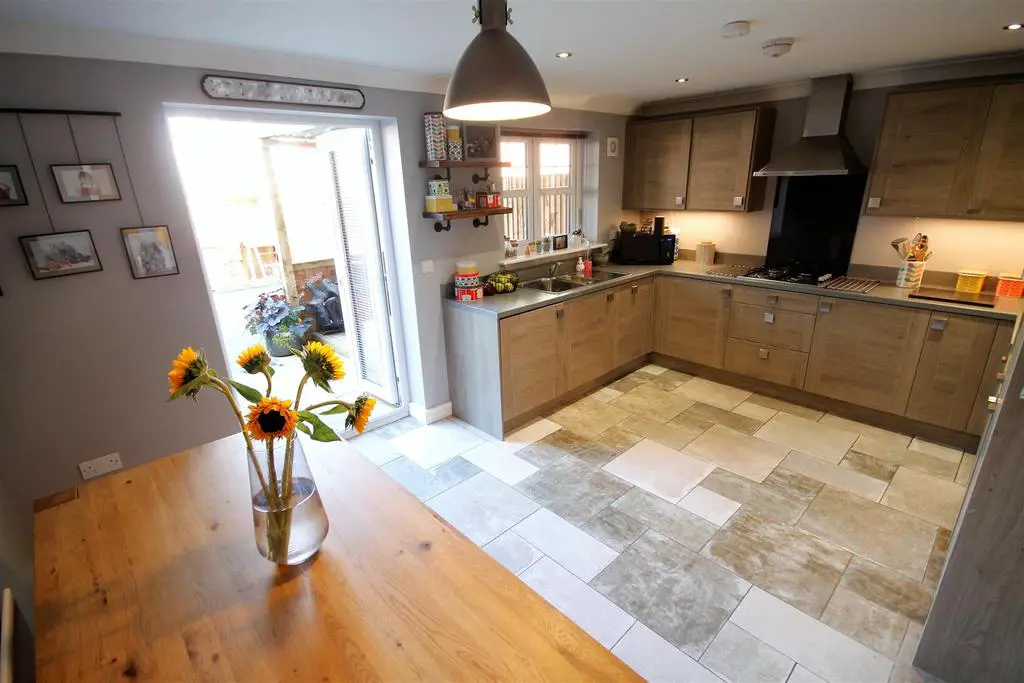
(770, 363)
(781, 328)
(773, 298)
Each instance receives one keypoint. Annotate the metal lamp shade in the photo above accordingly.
(495, 80)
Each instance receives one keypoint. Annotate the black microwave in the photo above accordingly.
(642, 248)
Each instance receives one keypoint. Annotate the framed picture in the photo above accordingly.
(85, 183)
(481, 141)
(12, 192)
(56, 254)
(613, 147)
(150, 252)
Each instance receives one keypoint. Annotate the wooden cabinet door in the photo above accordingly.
(691, 319)
(721, 150)
(949, 373)
(866, 353)
(927, 151)
(657, 165)
(588, 347)
(633, 316)
(999, 178)
(530, 360)
(991, 378)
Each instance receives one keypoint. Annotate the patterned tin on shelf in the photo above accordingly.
(454, 132)
(434, 131)
(439, 187)
(455, 150)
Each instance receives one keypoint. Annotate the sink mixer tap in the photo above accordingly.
(553, 270)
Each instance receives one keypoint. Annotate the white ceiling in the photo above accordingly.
(624, 51)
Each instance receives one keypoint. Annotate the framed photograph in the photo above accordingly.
(560, 242)
(85, 183)
(613, 147)
(481, 141)
(12, 192)
(150, 252)
(56, 254)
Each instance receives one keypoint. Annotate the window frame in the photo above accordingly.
(534, 193)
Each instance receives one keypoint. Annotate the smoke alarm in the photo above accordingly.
(776, 47)
(735, 29)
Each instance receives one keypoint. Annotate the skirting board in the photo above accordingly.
(426, 416)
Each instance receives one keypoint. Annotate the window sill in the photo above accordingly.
(560, 255)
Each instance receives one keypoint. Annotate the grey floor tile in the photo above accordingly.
(557, 445)
(515, 553)
(657, 660)
(482, 507)
(674, 522)
(866, 622)
(376, 448)
(398, 427)
(454, 471)
(572, 489)
(782, 496)
(739, 657)
(417, 480)
(615, 529)
(728, 418)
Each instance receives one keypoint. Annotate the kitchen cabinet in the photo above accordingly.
(722, 162)
(657, 165)
(634, 309)
(953, 359)
(927, 151)
(774, 327)
(998, 191)
(772, 364)
(587, 329)
(865, 353)
(531, 355)
(691, 319)
(991, 378)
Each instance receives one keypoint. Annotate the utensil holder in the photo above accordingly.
(910, 274)
(706, 253)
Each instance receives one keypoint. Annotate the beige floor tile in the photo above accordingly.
(652, 403)
(680, 525)
(653, 370)
(631, 381)
(696, 424)
(930, 498)
(903, 670)
(786, 407)
(788, 563)
(834, 475)
(669, 435)
(937, 560)
(728, 418)
(713, 393)
(783, 496)
(889, 537)
(606, 394)
(755, 411)
(712, 506)
(739, 453)
(877, 433)
(899, 455)
(663, 471)
(937, 450)
(670, 380)
(740, 657)
(966, 469)
(880, 629)
(888, 589)
(800, 434)
(618, 438)
(589, 417)
(882, 470)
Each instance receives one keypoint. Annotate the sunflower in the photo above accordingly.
(322, 364)
(271, 418)
(189, 365)
(359, 413)
(254, 359)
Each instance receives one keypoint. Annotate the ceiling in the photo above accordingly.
(624, 51)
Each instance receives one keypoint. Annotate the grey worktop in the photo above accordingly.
(523, 300)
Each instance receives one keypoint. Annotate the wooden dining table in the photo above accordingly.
(152, 574)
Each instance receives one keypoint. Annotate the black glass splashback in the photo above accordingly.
(814, 221)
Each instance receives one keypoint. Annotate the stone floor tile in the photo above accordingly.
(802, 675)
(783, 496)
(398, 427)
(669, 434)
(936, 450)
(937, 560)
(657, 660)
(482, 507)
(799, 434)
(513, 552)
(454, 471)
(887, 536)
(663, 471)
(573, 490)
(497, 461)
(892, 439)
(563, 442)
(709, 505)
(839, 477)
(591, 611)
(376, 448)
(670, 380)
(866, 622)
(930, 498)
(788, 563)
(966, 469)
(531, 433)
(904, 670)
(739, 453)
(754, 411)
(417, 480)
(667, 519)
(652, 403)
(694, 424)
(728, 418)
(785, 407)
(869, 465)
(618, 439)
(588, 417)
(653, 369)
(434, 443)
(905, 457)
(576, 550)
(739, 657)
(713, 393)
(631, 381)
(679, 595)
(606, 394)
(888, 589)
(615, 529)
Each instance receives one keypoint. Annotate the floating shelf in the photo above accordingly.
(467, 163)
(443, 220)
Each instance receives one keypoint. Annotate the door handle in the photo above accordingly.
(610, 297)
(726, 291)
(560, 313)
(737, 201)
(769, 317)
(939, 323)
(773, 299)
(874, 202)
(762, 354)
(634, 289)
(825, 307)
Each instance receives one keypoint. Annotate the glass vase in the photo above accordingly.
(287, 513)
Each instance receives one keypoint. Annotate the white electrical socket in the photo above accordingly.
(100, 465)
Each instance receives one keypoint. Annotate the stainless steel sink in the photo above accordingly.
(548, 284)
(598, 276)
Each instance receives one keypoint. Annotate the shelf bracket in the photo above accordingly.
(442, 225)
(477, 178)
(447, 175)
(477, 223)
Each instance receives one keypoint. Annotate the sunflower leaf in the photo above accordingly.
(336, 410)
(304, 429)
(248, 393)
(321, 432)
(270, 371)
(191, 386)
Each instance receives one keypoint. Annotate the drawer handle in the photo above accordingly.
(560, 313)
(874, 202)
(769, 317)
(762, 354)
(825, 307)
(1000, 376)
(635, 289)
(773, 299)
(737, 201)
(610, 297)
(939, 323)
(726, 291)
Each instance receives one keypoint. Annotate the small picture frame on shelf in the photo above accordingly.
(150, 252)
(481, 141)
(78, 183)
(12, 192)
(560, 242)
(56, 254)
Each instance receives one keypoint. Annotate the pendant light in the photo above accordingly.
(495, 79)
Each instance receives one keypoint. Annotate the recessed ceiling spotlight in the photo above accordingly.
(776, 47)
(682, 80)
(563, 55)
(1013, 27)
(735, 29)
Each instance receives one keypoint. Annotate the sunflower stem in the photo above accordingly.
(298, 393)
(269, 383)
(329, 403)
(223, 388)
(272, 471)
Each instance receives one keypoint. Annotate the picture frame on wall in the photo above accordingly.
(481, 141)
(150, 252)
(57, 254)
(77, 183)
(12, 192)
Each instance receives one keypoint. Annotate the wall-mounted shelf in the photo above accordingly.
(485, 164)
(444, 219)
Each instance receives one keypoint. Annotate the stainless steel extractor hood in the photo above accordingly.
(822, 150)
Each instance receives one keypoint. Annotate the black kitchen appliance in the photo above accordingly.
(643, 248)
